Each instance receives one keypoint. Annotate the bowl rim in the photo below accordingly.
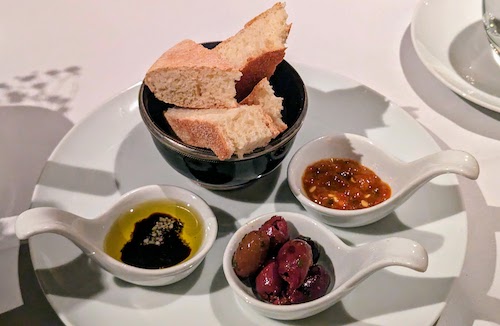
(208, 155)
(210, 234)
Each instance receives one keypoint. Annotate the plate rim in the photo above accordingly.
(494, 105)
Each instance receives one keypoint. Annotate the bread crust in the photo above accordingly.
(223, 131)
(276, 7)
(188, 53)
(266, 35)
(190, 75)
(200, 133)
(256, 69)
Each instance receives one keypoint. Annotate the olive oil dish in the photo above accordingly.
(104, 237)
(155, 234)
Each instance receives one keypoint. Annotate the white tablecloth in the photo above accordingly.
(61, 59)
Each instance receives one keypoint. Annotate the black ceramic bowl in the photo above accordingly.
(201, 165)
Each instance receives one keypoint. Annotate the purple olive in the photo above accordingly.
(314, 247)
(294, 260)
(277, 229)
(315, 286)
(296, 296)
(268, 282)
(317, 282)
(251, 253)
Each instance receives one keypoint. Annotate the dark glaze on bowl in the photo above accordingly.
(201, 165)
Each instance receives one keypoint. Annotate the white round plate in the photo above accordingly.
(449, 38)
(111, 152)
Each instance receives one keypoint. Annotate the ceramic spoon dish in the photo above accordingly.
(403, 178)
(347, 266)
(89, 234)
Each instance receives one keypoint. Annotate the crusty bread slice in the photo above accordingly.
(225, 131)
(263, 95)
(191, 76)
(231, 131)
(258, 48)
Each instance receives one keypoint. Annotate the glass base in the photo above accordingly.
(495, 52)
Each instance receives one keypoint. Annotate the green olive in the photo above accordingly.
(251, 253)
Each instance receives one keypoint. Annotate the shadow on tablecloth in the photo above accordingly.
(470, 297)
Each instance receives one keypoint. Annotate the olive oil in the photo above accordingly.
(121, 231)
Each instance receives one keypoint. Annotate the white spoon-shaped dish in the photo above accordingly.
(403, 178)
(89, 234)
(347, 266)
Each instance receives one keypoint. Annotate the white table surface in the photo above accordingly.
(84, 52)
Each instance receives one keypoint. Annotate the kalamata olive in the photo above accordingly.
(268, 282)
(315, 286)
(314, 247)
(294, 260)
(294, 297)
(277, 229)
(251, 253)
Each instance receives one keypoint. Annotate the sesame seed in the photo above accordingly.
(161, 227)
